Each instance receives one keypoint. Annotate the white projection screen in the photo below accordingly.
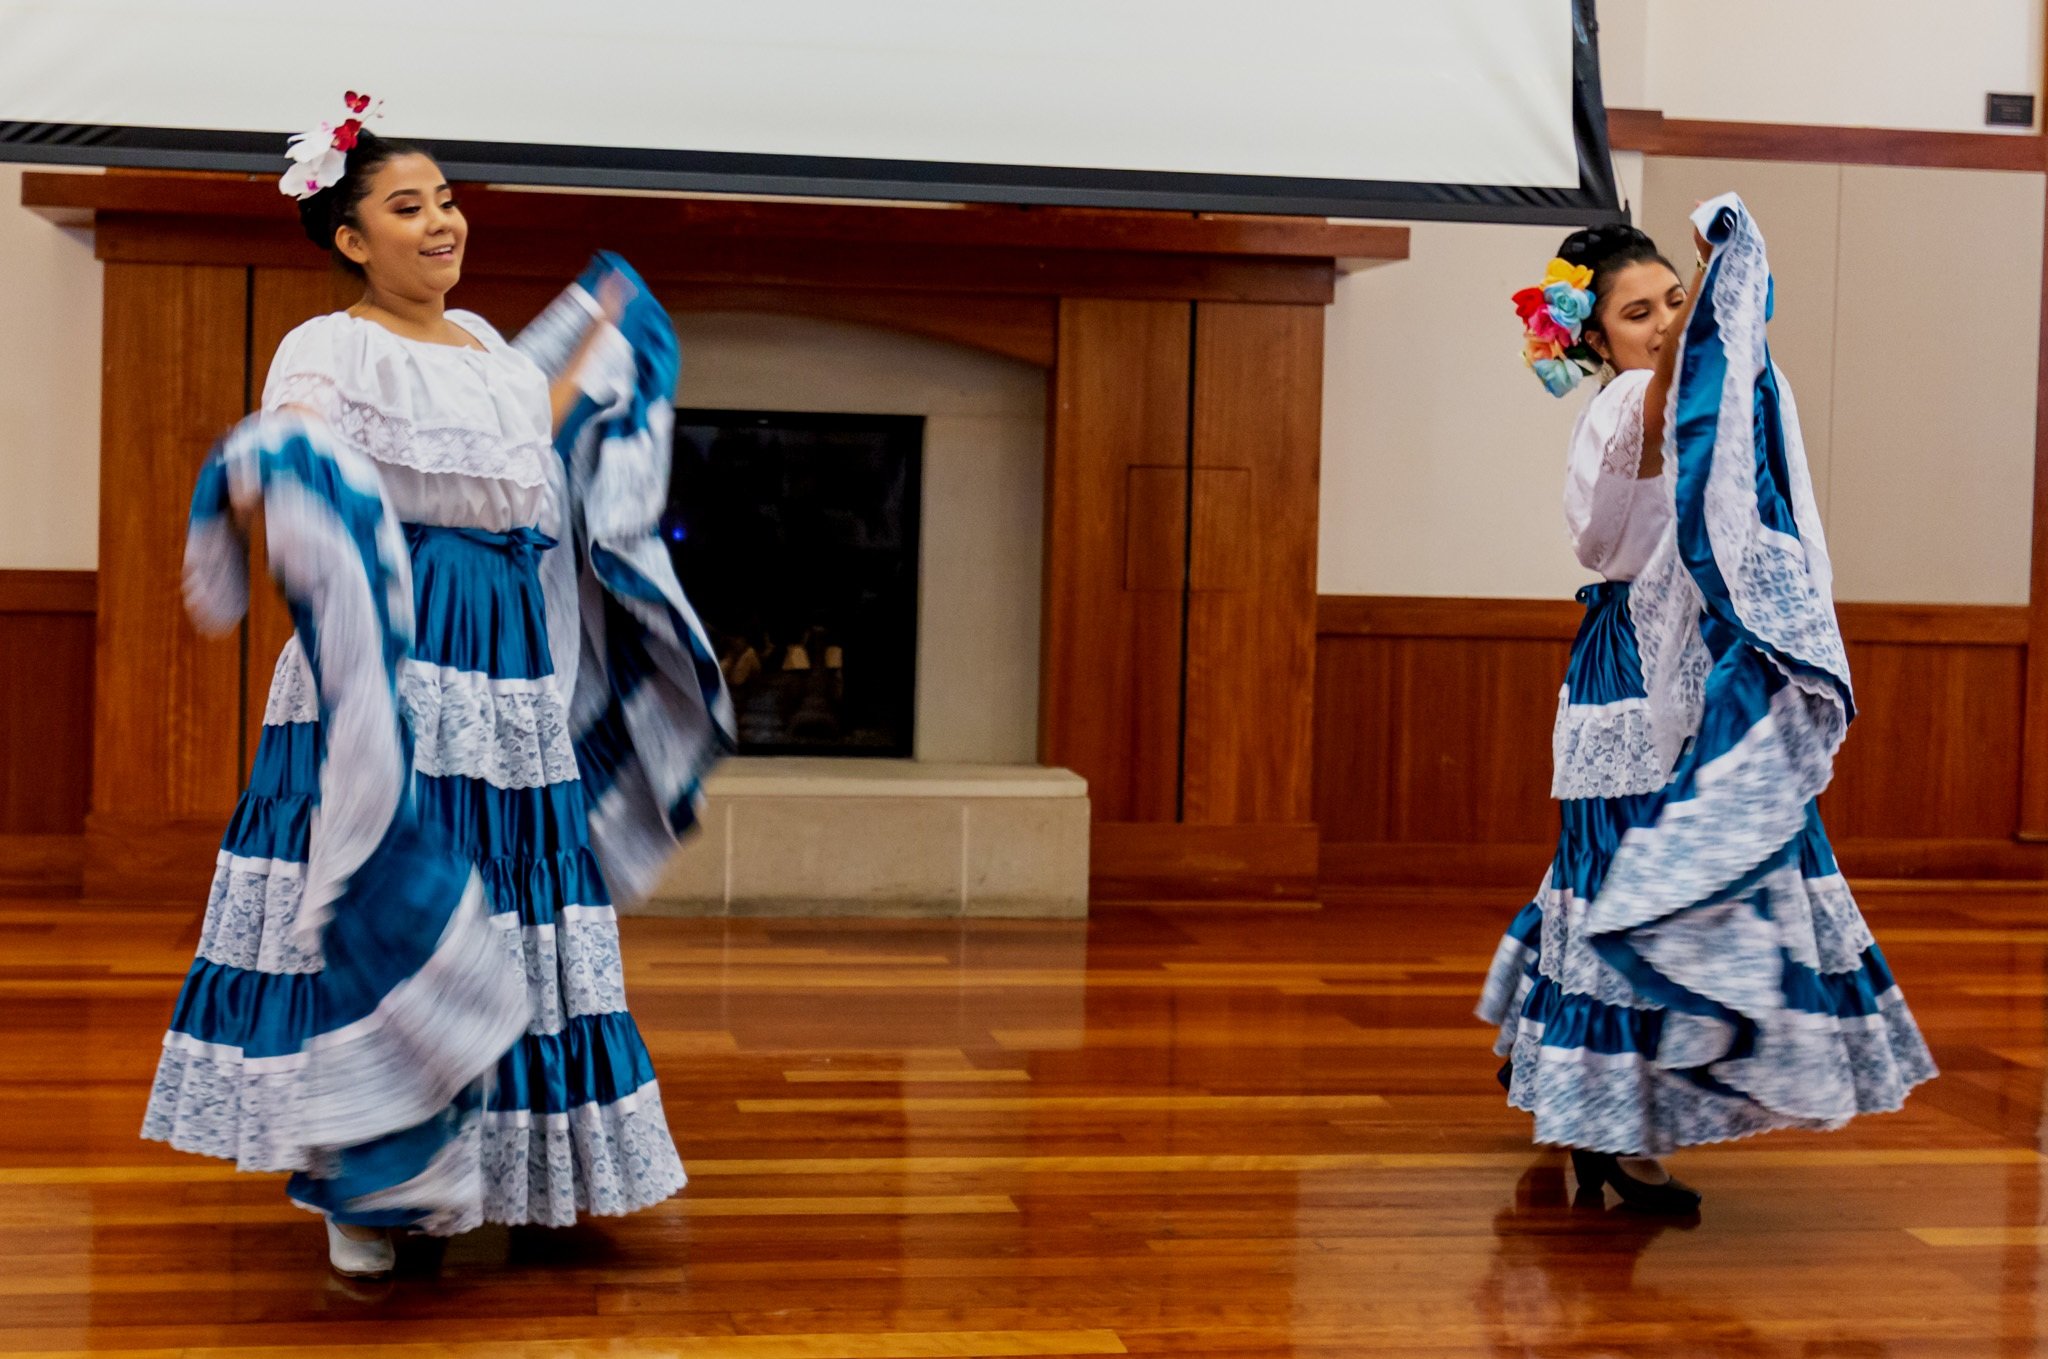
(1470, 109)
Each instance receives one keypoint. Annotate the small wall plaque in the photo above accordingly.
(2009, 110)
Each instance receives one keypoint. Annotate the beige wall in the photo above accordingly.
(1441, 456)
(1625, 52)
(1443, 459)
(983, 501)
(1907, 325)
(1874, 63)
(49, 391)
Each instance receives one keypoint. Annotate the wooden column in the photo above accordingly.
(1181, 591)
(1252, 603)
(166, 736)
(1115, 550)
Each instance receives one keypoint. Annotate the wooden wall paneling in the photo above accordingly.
(1257, 460)
(1168, 861)
(46, 722)
(1934, 624)
(1355, 787)
(167, 700)
(665, 259)
(1022, 328)
(42, 865)
(1110, 697)
(1435, 739)
(46, 650)
(1934, 753)
(1156, 529)
(1550, 620)
(49, 592)
(1433, 723)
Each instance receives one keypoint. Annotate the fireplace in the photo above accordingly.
(796, 535)
(1144, 466)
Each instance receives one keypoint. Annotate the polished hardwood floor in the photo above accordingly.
(1197, 1131)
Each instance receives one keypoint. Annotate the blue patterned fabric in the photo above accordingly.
(1696, 968)
(650, 707)
(350, 1042)
(1604, 666)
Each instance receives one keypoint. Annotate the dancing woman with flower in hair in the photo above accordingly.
(1695, 968)
(409, 991)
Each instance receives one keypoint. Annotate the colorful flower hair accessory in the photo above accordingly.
(320, 156)
(1554, 316)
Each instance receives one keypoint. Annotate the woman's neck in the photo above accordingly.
(422, 318)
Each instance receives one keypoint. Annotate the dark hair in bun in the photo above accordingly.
(340, 203)
(1606, 250)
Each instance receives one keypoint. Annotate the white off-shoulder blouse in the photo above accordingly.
(461, 437)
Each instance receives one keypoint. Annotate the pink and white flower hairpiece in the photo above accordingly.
(320, 156)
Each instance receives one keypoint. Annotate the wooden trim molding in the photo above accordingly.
(1558, 620)
(1935, 624)
(1425, 616)
(76, 199)
(49, 591)
(1168, 861)
(1651, 133)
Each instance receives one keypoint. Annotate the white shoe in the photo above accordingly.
(355, 1259)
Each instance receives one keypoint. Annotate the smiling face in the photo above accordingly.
(1635, 312)
(408, 236)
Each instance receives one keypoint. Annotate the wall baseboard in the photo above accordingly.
(42, 865)
(1167, 861)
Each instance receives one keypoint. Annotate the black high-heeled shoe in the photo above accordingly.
(1597, 1169)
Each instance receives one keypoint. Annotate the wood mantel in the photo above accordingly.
(1184, 442)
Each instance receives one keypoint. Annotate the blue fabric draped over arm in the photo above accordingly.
(416, 998)
(1749, 679)
(650, 711)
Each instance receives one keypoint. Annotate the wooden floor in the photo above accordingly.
(1191, 1132)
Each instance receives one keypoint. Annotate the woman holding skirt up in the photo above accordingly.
(1695, 968)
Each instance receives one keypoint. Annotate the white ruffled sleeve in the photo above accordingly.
(1614, 515)
(302, 373)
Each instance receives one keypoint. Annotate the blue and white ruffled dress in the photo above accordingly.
(1622, 1032)
(572, 1122)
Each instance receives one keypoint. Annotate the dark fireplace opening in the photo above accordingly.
(796, 537)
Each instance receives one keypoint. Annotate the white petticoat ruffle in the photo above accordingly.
(1603, 750)
(511, 733)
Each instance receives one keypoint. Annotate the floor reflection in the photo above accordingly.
(1564, 1285)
